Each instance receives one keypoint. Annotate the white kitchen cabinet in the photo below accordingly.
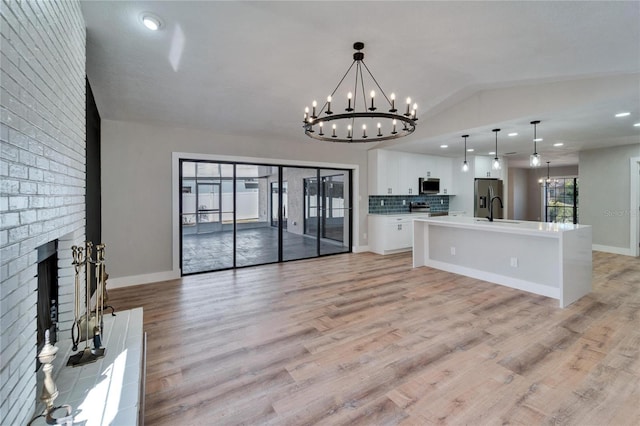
(397, 173)
(390, 234)
(383, 177)
(483, 168)
(445, 173)
(410, 167)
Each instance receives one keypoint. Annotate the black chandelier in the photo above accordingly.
(359, 115)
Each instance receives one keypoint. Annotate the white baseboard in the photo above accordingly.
(611, 249)
(141, 279)
(360, 249)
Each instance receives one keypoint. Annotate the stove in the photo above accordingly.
(425, 208)
(419, 207)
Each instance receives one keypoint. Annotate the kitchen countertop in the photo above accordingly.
(543, 229)
(405, 214)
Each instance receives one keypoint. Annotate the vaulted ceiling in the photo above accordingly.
(251, 68)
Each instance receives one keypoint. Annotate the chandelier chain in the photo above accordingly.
(376, 81)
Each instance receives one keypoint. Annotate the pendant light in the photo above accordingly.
(548, 181)
(465, 165)
(496, 160)
(534, 159)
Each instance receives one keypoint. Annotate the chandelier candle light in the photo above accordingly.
(534, 159)
(360, 113)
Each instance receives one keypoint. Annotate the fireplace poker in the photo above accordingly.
(78, 261)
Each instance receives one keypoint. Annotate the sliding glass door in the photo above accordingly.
(296, 241)
(207, 212)
(335, 212)
(236, 215)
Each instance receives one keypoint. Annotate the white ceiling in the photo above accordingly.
(251, 67)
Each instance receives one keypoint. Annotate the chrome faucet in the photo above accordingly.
(492, 198)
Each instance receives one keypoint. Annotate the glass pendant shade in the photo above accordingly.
(496, 164)
(465, 166)
(534, 160)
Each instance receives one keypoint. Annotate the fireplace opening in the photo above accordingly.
(47, 308)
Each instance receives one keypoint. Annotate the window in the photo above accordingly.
(561, 200)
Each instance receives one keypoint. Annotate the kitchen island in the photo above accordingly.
(550, 259)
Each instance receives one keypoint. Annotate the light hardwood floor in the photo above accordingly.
(366, 339)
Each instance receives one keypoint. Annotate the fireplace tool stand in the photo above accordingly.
(49, 388)
(89, 326)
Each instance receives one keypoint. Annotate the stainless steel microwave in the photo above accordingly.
(429, 185)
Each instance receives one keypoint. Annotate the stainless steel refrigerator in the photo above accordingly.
(485, 189)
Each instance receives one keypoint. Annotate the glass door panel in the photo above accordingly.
(335, 212)
(207, 233)
(256, 232)
(300, 236)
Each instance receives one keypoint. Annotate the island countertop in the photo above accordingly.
(549, 259)
(523, 227)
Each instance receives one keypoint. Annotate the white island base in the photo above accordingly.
(549, 259)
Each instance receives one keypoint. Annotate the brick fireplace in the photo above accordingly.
(42, 179)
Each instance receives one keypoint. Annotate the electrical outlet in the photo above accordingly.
(453, 251)
(514, 262)
(382, 202)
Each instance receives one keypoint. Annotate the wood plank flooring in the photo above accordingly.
(363, 339)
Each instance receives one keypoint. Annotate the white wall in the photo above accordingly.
(518, 194)
(136, 184)
(605, 194)
(42, 178)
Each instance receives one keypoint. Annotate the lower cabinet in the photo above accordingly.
(390, 234)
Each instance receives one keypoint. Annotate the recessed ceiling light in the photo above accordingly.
(513, 134)
(492, 153)
(623, 114)
(444, 146)
(558, 144)
(538, 140)
(470, 150)
(151, 21)
(636, 125)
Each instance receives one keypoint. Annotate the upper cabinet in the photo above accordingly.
(383, 172)
(397, 173)
(483, 168)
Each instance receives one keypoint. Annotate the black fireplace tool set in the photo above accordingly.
(89, 327)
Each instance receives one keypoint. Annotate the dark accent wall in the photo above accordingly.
(93, 194)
